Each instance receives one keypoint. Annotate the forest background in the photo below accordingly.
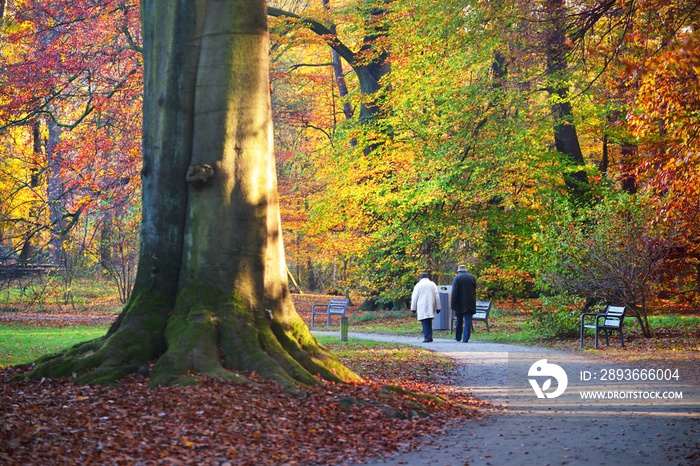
(551, 146)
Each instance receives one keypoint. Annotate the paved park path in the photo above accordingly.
(634, 429)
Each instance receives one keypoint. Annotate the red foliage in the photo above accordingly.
(77, 68)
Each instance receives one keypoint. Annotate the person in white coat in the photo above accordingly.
(425, 302)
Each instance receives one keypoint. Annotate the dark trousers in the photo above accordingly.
(464, 324)
(427, 328)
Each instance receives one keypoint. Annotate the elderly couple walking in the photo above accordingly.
(425, 302)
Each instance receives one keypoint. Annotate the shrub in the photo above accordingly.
(558, 317)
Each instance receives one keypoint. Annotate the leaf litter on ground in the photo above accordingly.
(399, 404)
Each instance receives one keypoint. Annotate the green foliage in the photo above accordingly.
(456, 166)
(675, 321)
(558, 317)
(613, 252)
(434, 191)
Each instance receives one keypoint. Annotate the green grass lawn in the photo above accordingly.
(355, 347)
(514, 325)
(20, 344)
(509, 322)
(504, 327)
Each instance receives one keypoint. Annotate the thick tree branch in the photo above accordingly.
(322, 30)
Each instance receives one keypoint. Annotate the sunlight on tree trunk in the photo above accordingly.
(211, 292)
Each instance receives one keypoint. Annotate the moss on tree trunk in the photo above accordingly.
(133, 340)
(211, 294)
(208, 333)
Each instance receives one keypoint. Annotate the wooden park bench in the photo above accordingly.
(608, 321)
(18, 270)
(336, 306)
(483, 309)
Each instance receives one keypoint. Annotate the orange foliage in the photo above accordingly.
(667, 124)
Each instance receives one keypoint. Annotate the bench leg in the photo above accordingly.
(487, 325)
(622, 342)
(607, 340)
(596, 338)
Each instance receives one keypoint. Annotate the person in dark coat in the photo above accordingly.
(463, 302)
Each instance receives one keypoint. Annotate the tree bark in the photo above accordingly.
(211, 291)
(56, 194)
(338, 70)
(565, 136)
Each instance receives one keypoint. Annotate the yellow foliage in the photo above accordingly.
(22, 188)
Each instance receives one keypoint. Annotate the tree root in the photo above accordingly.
(134, 339)
(206, 334)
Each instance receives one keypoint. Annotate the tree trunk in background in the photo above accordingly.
(313, 284)
(628, 164)
(56, 193)
(338, 71)
(27, 249)
(211, 291)
(565, 137)
(376, 63)
(369, 63)
(105, 245)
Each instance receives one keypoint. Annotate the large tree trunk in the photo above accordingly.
(211, 291)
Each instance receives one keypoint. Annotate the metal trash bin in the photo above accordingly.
(443, 321)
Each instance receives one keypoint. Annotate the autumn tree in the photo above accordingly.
(364, 51)
(211, 294)
(72, 79)
(615, 254)
(640, 60)
(370, 61)
(556, 49)
(665, 120)
(305, 106)
(493, 110)
(446, 185)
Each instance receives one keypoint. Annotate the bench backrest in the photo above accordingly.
(614, 316)
(338, 305)
(482, 309)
